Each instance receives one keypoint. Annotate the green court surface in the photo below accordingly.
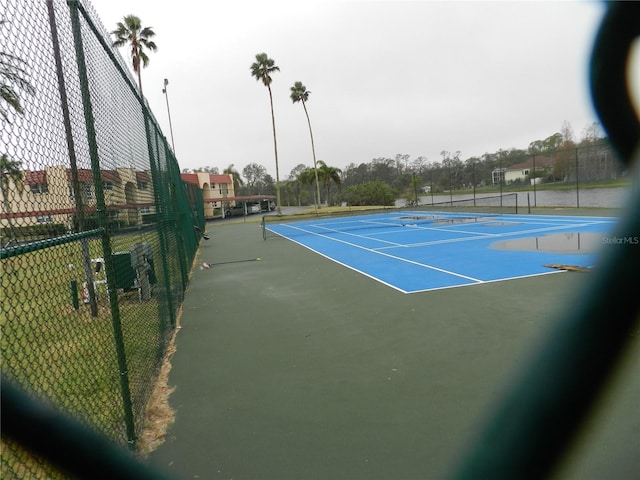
(295, 367)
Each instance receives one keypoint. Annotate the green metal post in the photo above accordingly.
(577, 182)
(161, 225)
(74, 294)
(535, 178)
(75, 182)
(102, 219)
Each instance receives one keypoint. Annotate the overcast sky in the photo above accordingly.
(386, 78)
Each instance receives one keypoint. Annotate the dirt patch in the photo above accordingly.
(159, 415)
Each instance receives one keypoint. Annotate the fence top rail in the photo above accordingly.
(10, 252)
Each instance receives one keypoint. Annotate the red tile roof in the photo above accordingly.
(142, 177)
(220, 179)
(190, 178)
(111, 176)
(38, 177)
(84, 175)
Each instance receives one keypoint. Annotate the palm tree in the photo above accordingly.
(328, 174)
(262, 69)
(299, 93)
(12, 78)
(130, 32)
(307, 177)
(237, 179)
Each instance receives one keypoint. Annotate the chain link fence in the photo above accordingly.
(98, 231)
(585, 175)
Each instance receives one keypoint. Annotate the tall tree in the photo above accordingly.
(591, 134)
(327, 175)
(262, 69)
(130, 32)
(254, 173)
(299, 93)
(567, 133)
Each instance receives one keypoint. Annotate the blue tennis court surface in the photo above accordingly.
(421, 251)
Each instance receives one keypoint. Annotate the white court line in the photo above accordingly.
(350, 267)
(555, 220)
(376, 239)
(553, 272)
(377, 252)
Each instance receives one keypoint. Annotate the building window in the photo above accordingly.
(88, 191)
(143, 185)
(145, 210)
(44, 219)
(498, 175)
(107, 185)
(39, 188)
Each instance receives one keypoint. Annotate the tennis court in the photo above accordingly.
(417, 251)
(297, 367)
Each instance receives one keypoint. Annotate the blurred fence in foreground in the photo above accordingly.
(97, 227)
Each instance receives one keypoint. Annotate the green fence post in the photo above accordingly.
(74, 294)
(75, 182)
(577, 181)
(101, 209)
(161, 224)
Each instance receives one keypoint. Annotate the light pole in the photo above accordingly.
(166, 96)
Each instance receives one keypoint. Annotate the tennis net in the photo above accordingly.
(327, 221)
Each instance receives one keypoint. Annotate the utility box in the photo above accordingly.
(140, 255)
(125, 273)
(142, 262)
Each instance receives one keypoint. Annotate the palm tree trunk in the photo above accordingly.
(313, 151)
(138, 68)
(139, 80)
(328, 187)
(275, 148)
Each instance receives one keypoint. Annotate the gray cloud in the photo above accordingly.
(386, 77)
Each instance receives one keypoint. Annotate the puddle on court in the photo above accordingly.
(419, 217)
(459, 220)
(569, 242)
(500, 224)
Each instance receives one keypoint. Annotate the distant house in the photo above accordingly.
(215, 188)
(521, 171)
